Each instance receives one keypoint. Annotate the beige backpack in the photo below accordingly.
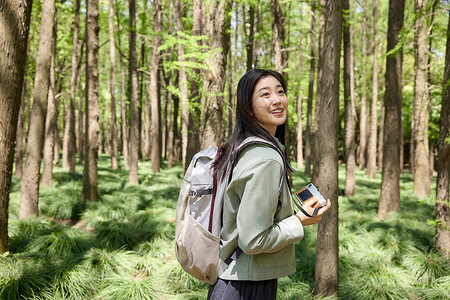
(199, 214)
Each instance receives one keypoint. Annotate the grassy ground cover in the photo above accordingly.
(122, 247)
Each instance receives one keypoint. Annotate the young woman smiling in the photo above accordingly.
(258, 224)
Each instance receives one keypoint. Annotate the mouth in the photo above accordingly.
(277, 111)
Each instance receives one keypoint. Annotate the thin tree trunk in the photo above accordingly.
(312, 71)
(134, 110)
(443, 165)
(422, 184)
(193, 137)
(326, 279)
(217, 29)
(112, 85)
(277, 35)
(30, 181)
(169, 79)
(316, 151)
(155, 109)
(14, 28)
(349, 96)
(92, 127)
(380, 136)
(250, 36)
(69, 145)
(372, 146)
(363, 111)
(50, 125)
(230, 94)
(390, 183)
(80, 118)
(20, 137)
(185, 115)
(299, 159)
(123, 105)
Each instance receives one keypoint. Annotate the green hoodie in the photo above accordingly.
(251, 220)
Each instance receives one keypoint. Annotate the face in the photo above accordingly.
(269, 103)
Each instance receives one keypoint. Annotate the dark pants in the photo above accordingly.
(243, 290)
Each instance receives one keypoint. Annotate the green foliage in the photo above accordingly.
(122, 246)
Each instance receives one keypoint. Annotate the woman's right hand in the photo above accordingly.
(309, 207)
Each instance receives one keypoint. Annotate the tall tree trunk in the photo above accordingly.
(372, 146)
(362, 147)
(349, 98)
(50, 125)
(326, 279)
(30, 181)
(443, 165)
(80, 118)
(186, 117)
(14, 28)
(20, 137)
(134, 110)
(156, 112)
(277, 35)
(169, 80)
(112, 87)
(217, 29)
(193, 136)
(250, 36)
(390, 183)
(321, 53)
(422, 184)
(312, 71)
(69, 144)
(380, 136)
(299, 159)
(230, 94)
(123, 105)
(92, 126)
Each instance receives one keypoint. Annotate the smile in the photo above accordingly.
(277, 111)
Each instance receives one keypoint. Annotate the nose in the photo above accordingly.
(276, 100)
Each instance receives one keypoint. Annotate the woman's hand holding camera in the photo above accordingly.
(309, 207)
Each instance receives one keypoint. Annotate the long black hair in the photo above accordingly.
(245, 120)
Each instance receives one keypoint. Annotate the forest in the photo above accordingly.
(103, 104)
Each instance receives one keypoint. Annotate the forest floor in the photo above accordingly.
(123, 246)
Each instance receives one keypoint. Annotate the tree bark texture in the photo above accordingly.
(312, 71)
(390, 183)
(30, 182)
(69, 143)
(277, 35)
(14, 28)
(250, 36)
(92, 126)
(326, 279)
(443, 165)
(112, 86)
(134, 110)
(372, 145)
(217, 27)
(50, 126)
(80, 117)
(320, 66)
(349, 98)
(422, 184)
(362, 147)
(156, 111)
(20, 136)
(187, 152)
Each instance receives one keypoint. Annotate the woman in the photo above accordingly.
(254, 219)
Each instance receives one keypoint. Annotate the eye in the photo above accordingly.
(265, 94)
(281, 92)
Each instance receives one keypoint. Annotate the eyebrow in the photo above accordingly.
(266, 87)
